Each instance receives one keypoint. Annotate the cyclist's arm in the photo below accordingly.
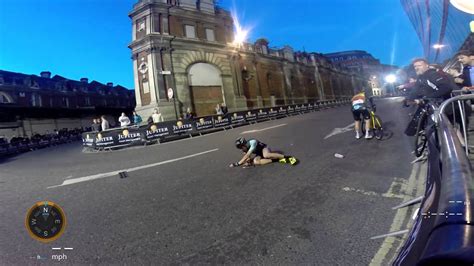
(253, 146)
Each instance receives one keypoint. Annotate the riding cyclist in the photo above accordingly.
(262, 153)
(360, 103)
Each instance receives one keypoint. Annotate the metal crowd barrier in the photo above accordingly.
(169, 130)
(443, 232)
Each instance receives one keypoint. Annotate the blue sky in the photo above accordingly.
(89, 38)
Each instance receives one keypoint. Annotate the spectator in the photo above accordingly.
(137, 119)
(466, 78)
(95, 125)
(156, 116)
(224, 109)
(430, 83)
(105, 123)
(219, 110)
(124, 120)
(189, 114)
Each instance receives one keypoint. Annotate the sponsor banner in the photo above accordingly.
(291, 109)
(203, 123)
(182, 126)
(297, 108)
(88, 139)
(311, 106)
(282, 111)
(237, 118)
(106, 139)
(304, 107)
(158, 130)
(130, 136)
(262, 114)
(272, 112)
(251, 116)
(221, 121)
(3, 149)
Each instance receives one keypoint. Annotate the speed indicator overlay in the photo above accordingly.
(45, 221)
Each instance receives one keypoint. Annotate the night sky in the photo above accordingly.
(89, 38)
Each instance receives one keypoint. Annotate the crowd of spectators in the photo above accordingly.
(23, 144)
(438, 84)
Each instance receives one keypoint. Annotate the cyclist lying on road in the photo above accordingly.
(262, 153)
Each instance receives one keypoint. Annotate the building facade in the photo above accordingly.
(32, 104)
(188, 46)
(441, 27)
(366, 65)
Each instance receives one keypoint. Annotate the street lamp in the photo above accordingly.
(391, 78)
(438, 46)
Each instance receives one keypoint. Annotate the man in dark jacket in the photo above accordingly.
(430, 83)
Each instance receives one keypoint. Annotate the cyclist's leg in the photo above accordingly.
(366, 115)
(261, 161)
(267, 154)
(356, 115)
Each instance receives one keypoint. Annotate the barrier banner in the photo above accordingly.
(106, 139)
(251, 116)
(88, 139)
(310, 107)
(304, 107)
(272, 113)
(131, 136)
(262, 114)
(298, 108)
(282, 111)
(221, 121)
(203, 123)
(158, 130)
(182, 126)
(291, 109)
(237, 118)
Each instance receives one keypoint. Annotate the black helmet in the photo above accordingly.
(240, 142)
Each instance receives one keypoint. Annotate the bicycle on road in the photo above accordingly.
(421, 117)
(375, 124)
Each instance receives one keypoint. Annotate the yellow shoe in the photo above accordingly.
(293, 160)
(283, 160)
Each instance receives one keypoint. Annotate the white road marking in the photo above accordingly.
(338, 130)
(263, 129)
(103, 175)
(56, 248)
(68, 248)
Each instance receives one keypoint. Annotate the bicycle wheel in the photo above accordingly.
(420, 135)
(362, 126)
(378, 128)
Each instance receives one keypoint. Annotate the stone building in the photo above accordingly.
(39, 104)
(187, 45)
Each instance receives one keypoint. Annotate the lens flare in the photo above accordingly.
(240, 33)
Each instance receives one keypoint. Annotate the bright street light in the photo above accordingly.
(391, 78)
(438, 46)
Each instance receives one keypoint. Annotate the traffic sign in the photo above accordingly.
(170, 93)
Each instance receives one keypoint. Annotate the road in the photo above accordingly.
(182, 204)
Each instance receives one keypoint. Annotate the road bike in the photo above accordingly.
(376, 125)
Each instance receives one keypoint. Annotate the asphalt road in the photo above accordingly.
(197, 210)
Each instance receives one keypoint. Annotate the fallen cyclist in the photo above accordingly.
(262, 153)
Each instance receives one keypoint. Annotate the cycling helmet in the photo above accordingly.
(240, 142)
